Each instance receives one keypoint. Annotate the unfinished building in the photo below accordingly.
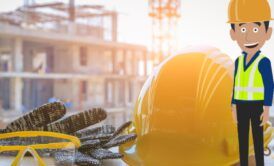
(69, 52)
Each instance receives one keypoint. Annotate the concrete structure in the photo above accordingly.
(80, 63)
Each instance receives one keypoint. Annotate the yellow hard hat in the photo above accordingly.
(183, 113)
(244, 11)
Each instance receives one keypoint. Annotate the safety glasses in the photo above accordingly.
(65, 142)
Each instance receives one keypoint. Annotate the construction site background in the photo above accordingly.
(68, 52)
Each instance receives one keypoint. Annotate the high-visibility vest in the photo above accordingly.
(249, 84)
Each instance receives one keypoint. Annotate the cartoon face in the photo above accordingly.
(250, 36)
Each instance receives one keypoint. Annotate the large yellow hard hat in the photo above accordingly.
(244, 11)
(183, 113)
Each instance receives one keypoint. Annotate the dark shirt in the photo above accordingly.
(266, 72)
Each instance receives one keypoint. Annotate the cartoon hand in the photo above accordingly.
(234, 114)
(265, 115)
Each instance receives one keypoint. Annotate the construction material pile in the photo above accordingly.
(95, 142)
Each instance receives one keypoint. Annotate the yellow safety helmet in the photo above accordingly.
(244, 11)
(183, 113)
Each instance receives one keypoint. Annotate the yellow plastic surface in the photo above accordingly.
(183, 113)
(72, 142)
(242, 11)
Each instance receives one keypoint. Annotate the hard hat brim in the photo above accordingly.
(238, 22)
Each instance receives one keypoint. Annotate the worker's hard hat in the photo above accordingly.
(183, 113)
(244, 11)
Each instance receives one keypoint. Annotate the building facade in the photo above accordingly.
(82, 64)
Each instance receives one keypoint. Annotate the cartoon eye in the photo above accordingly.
(243, 30)
(255, 30)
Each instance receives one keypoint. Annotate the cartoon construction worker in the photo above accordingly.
(253, 81)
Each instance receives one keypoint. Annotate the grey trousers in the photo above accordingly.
(250, 112)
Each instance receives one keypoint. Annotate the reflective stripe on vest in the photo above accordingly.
(249, 84)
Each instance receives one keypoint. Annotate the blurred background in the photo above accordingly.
(98, 53)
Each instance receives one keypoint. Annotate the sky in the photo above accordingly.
(202, 22)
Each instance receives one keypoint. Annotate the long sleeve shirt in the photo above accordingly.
(266, 72)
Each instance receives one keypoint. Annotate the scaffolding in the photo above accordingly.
(65, 18)
(165, 15)
(69, 52)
